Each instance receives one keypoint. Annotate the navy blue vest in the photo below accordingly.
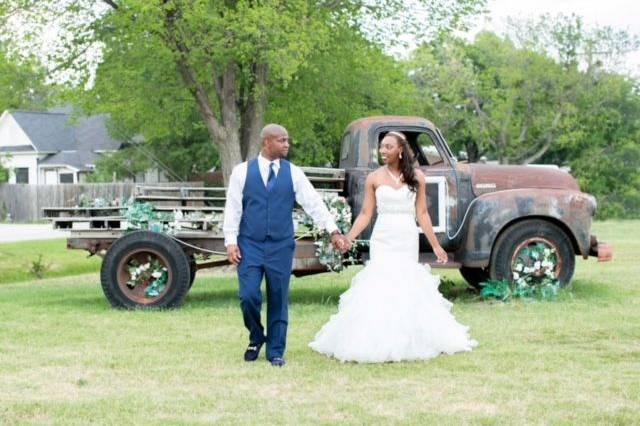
(267, 213)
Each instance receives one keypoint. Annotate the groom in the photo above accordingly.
(258, 233)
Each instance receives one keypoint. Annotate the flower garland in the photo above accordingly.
(151, 273)
(534, 276)
(143, 216)
(327, 255)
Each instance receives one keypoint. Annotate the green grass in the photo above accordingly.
(66, 357)
(16, 260)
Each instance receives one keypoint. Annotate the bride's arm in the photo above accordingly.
(366, 213)
(424, 220)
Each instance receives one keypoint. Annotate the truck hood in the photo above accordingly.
(490, 178)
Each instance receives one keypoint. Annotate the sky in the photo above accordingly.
(618, 14)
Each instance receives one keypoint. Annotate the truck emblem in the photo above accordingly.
(486, 185)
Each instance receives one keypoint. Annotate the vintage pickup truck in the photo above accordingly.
(486, 217)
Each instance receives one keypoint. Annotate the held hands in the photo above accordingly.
(340, 242)
(233, 254)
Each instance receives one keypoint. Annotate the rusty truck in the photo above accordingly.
(485, 216)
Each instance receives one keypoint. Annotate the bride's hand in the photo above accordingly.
(441, 254)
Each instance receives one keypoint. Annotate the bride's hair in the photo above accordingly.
(406, 162)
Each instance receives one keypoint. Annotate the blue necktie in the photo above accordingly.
(271, 180)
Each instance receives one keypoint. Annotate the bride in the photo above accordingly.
(393, 310)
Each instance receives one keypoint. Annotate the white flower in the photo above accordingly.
(519, 267)
(516, 275)
(156, 274)
(536, 265)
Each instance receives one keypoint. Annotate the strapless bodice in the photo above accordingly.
(390, 200)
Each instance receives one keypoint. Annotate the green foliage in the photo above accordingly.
(518, 104)
(4, 172)
(164, 62)
(22, 83)
(38, 267)
(152, 275)
(143, 216)
(350, 80)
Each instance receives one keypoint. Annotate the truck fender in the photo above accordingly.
(491, 213)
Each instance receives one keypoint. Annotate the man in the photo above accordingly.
(258, 231)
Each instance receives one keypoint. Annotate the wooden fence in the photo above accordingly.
(24, 202)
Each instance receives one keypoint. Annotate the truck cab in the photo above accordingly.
(487, 217)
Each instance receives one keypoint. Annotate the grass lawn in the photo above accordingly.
(66, 357)
(16, 260)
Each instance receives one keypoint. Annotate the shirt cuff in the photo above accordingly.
(331, 226)
(230, 239)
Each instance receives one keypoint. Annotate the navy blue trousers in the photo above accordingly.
(272, 260)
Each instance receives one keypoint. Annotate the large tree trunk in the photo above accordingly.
(253, 112)
(229, 151)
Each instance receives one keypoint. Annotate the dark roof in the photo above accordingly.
(80, 160)
(16, 148)
(48, 132)
(56, 131)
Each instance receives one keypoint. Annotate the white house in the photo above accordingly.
(47, 147)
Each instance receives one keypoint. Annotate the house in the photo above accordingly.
(48, 147)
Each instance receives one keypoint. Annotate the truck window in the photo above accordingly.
(428, 147)
(344, 153)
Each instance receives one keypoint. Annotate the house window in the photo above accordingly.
(66, 177)
(22, 174)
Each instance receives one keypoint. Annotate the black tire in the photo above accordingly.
(192, 270)
(474, 276)
(522, 233)
(114, 272)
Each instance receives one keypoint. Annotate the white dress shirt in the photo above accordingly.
(305, 193)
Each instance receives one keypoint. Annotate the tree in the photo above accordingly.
(351, 80)
(225, 55)
(22, 83)
(514, 103)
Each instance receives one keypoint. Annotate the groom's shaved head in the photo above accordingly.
(271, 130)
(275, 141)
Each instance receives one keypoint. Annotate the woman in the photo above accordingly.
(393, 310)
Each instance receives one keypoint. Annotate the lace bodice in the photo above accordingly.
(391, 200)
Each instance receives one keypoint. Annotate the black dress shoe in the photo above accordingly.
(252, 352)
(277, 362)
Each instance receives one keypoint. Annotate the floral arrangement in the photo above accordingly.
(327, 255)
(144, 216)
(533, 276)
(152, 274)
(86, 202)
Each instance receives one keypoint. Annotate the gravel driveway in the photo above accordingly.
(27, 232)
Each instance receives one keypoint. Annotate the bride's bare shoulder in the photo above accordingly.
(373, 177)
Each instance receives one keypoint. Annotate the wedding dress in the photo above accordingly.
(393, 310)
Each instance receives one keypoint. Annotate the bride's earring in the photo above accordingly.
(400, 156)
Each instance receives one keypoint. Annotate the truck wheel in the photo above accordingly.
(514, 245)
(474, 276)
(145, 270)
(192, 270)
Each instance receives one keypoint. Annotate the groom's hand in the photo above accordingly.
(340, 242)
(233, 254)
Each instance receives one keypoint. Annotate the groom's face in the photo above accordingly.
(277, 145)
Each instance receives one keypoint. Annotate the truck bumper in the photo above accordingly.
(601, 250)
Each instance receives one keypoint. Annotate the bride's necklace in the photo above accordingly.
(396, 179)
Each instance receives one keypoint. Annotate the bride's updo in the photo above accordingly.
(406, 160)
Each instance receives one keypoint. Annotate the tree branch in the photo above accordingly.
(253, 111)
(111, 3)
(190, 80)
(548, 140)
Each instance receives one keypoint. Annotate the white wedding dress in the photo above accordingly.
(393, 310)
